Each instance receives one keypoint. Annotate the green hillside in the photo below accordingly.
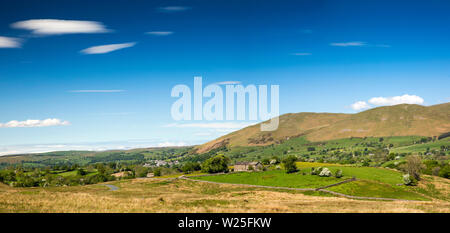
(389, 121)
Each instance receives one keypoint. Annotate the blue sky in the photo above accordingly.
(325, 56)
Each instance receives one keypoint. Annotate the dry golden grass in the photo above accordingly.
(174, 195)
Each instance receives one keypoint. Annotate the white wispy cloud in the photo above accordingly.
(34, 123)
(159, 33)
(359, 105)
(200, 134)
(387, 101)
(171, 144)
(383, 46)
(96, 91)
(393, 100)
(219, 125)
(9, 42)
(228, 83)
(349, 44)
(59, 26)
(100, 49)
(302, 54)
(173, 8)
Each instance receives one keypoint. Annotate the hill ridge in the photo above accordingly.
(396, 120)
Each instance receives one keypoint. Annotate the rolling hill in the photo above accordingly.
(397, 120)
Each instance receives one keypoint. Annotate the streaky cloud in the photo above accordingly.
(34, 123)
(159, 33)
(349, 44)
(59, 26)
(101, 49)
(173, 8)
(10, 42)
(96, 91)
(302, 54)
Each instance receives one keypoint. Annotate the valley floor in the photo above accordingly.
(178, 195)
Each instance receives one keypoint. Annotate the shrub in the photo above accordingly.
(445, 172)
(157, 172)
(338, 173)
(435, 171)
(275, 160)
(414, 166)
(289, 164)
(190, 167)
(325, 172)
(216, 164)
(316, 171)
(365, 163)
(81, 172)
(409, 180)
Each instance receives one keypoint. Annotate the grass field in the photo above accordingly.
(277, 178)
(169, 194)
(422, 147)
(372, 182)
(74, 173)
(371, 173)
(367, 188)
(176, 195)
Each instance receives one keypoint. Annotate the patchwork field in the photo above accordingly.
(371, 182)
(177, 195)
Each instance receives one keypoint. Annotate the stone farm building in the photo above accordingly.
(246, 166)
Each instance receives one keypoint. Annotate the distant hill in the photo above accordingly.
(398, 120)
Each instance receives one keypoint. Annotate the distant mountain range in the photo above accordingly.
(397, 120)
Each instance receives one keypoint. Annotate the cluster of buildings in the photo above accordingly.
(239, 166)
(161, 163)
(248, 166)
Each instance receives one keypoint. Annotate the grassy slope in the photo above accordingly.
(367, 188)
(153, 195)
(373, 182)
(276, 178)
(87, 157)
(371, 173)
(399, 120)
(423, 147)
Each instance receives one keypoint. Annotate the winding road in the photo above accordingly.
(112, 187)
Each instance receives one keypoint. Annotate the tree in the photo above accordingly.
(157, 172)
(409, 180)
(101, 168)
(190, 167)
(81, 172)
(218, 163)
(289, 164)
(338, 173)
(265, 161)
(445, 172)
(414, 166)
(140, 171)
